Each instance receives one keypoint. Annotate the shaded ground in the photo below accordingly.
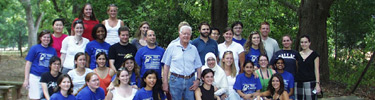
(12, 69)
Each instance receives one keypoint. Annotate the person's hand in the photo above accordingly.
(135, 86)
(247, 96)
(165, 87)
(317, 88)
(224, 96)
(110, 88)
(255, 74)
(195, 85)
(26, 84)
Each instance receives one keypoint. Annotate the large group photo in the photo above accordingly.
(187, 50)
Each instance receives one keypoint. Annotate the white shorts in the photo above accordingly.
(35, 88)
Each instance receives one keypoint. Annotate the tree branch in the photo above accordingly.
(56, 6)
(287, 4)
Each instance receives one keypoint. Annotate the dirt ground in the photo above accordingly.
(12, 69)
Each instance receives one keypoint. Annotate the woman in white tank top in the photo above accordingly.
(112, 24)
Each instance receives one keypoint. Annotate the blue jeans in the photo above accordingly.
(179, 87)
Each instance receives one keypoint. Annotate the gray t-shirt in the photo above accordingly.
(271, 47)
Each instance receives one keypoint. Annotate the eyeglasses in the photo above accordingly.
(254, 32)
(228, 52)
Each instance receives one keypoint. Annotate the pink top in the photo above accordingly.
(89, 25)
(57, 43)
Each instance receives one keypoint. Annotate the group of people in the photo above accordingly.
(97, 61)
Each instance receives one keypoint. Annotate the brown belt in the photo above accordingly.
(183, 76)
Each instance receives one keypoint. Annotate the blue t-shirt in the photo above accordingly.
(148, 59)
(290, 57)
(93, 48)
(247, 85)
(143, 94)
(134, 81)
(242, 41)
(253, 56)
(87, 94)
(203, 47)
(59, 96)
(39, 57)
(288, 80)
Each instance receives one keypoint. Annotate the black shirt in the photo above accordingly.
(50, 81)
(118, 51)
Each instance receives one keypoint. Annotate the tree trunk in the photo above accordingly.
(20, 43)
(313, 16)
(31, 25)
(219, 15)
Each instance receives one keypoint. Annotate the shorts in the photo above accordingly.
(35, 88)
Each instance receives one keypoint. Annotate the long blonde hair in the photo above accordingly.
(233, 68)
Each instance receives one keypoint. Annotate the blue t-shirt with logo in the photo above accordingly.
(148, 59)
(288, 80)
(40, 56)
(253, 56)
(247, 85)
(93, 48)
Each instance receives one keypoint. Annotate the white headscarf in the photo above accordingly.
(208, 55)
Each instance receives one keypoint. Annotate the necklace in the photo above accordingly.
(77, 40)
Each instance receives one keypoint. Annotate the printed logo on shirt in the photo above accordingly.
(152, 61)
(150, 98)
(51, 84)
(100, 50)
(254, 58)
(248, 88)
(287, 56)
(286, 84)
(44, 59)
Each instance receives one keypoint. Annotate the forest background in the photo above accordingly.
(342, 31)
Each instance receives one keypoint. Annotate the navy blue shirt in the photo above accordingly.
(290, 59)
(203, 48)
(147, 59)
(87, 94)
(242, 41)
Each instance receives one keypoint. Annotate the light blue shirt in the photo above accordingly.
(181, 60)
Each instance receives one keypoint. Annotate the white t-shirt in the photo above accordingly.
(70, 49)
(112, 32)
(117, 96)
(271, 46)
(236, 48)
(78, 81)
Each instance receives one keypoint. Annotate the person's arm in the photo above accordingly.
(196, 82)
(27, 73)
(87, 60)
(242, 60)
(112, 65)
(265, 93)
(243, 95)
(284, 96)
(109, 95)
(103, 22)
(45, 91)
(198, 94)
(165, 78)
(122, 23)
(317, 74)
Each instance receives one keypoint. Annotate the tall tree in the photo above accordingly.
(219, 14)
(32, 25)
(313, 16)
